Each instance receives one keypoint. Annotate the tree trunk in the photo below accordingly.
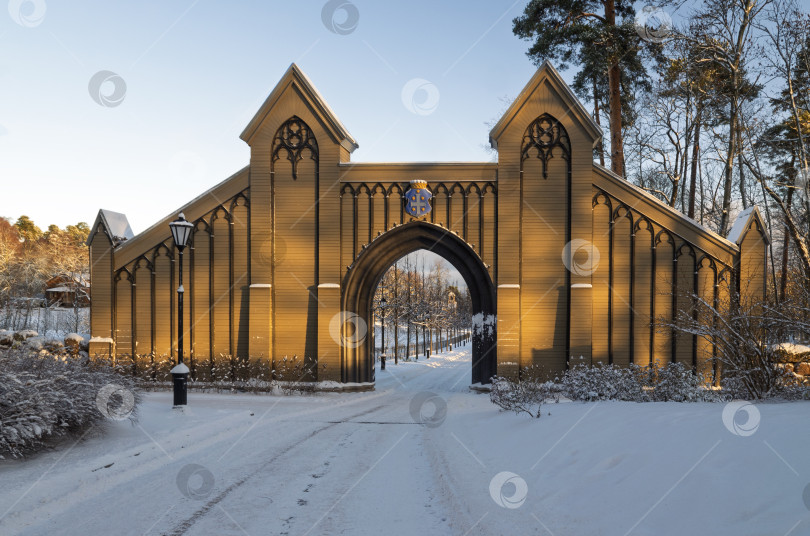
(743, 194)
(729, 169)
(786, 241)
(785, 249)
(396, 315)
(596, 114)
(694, 170)
(416, 346)
(615, 87)
(676, 182)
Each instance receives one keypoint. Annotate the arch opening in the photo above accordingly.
(364, 275)
(421, 308)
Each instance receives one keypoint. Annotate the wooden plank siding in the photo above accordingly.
(471, 206)
(274, 245)
(123, 313)
(643, 279)
(621, 268)
(146, 300)
(601, 279)
(295, 273)
(663, 272)
(142, 306)
(241, 277)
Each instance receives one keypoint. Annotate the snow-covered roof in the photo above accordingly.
(736, 232)
(621, 181)
(115, 224)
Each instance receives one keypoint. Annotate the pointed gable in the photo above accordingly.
(114, 224)
(547, 74)
(748, 219)
(295, 80)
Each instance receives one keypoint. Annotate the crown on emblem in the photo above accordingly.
(418, 183)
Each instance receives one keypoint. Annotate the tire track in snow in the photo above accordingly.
(183, 526)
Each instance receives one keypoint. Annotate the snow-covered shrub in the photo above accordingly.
(35, 343)
(25, 334)
(43, 396)
(75, 341)
(673, 382)
(603, 382)
(295, 375)
(676, 382)
(6, 337)
(746, 335)
(524, 395)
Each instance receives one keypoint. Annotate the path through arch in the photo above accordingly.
(357, 363)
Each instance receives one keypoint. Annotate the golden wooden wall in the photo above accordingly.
(102, 272)
(294, 273)
(648, 274)
(543, 278)
(369, 209)
(272, 244)
(200, 291)
(215, 279)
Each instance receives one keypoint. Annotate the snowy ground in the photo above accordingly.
(50, 322)
(358, 463)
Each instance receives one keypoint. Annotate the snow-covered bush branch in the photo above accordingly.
(44, 396)
(746, 336)
(526, 395)
(674, 382)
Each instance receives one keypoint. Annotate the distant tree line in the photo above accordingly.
(420, 307)
(29, 256)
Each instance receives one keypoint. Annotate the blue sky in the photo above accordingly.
(197, 71)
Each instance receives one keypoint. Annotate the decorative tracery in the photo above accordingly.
(544, 135)
(292, 138)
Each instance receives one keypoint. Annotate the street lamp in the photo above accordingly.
(181, 231)
(383, 305)
(428, 346)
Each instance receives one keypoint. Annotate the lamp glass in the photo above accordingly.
(181, 231)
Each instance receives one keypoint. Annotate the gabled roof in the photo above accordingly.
(627, 186)
(115, 225)
(547, 72)
(295, 76)
(743, 223)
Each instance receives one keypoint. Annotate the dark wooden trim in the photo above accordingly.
(231, 339)
(611, 268)
(632, 339)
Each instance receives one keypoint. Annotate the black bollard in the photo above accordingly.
(180, 379)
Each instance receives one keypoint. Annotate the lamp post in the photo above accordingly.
(428, 345)
(181, 231)
(451, 305)
(383, 305)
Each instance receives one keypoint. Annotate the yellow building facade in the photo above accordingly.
(564, 260)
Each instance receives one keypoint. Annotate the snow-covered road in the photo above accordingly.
(360, 463)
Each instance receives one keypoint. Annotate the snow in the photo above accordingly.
(740, 223)
(75, 337)
(53, 322)
(792, 348)
(180, 368)
(358, 463)
(117, 224)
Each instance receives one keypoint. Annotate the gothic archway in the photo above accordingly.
(357, 363)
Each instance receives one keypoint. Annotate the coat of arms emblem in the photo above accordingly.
(418, 199)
